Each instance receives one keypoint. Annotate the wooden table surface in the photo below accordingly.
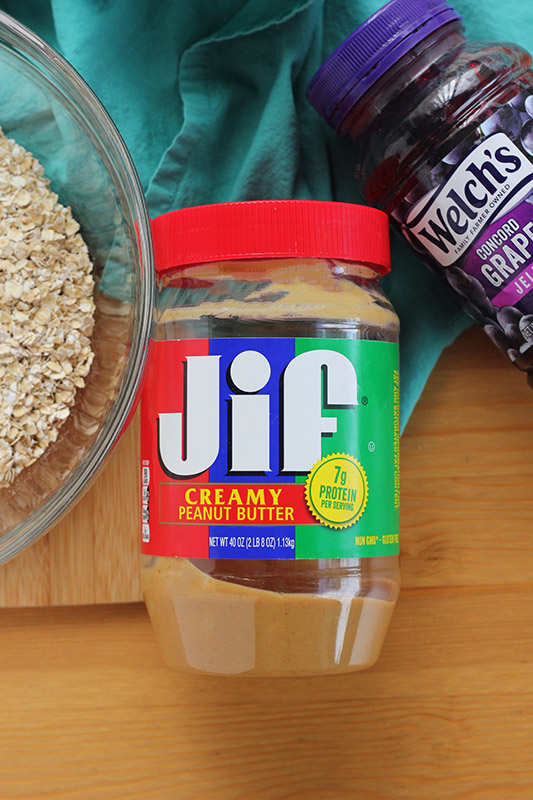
(90, 712)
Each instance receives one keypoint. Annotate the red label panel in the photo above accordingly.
(233, 504)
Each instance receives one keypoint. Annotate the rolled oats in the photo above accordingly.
(46, 311)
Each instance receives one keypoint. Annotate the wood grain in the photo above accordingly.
(89, 712)
(91, 556)
(467, 472)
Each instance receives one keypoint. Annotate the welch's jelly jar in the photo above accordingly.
(443, 132)
(270, 439)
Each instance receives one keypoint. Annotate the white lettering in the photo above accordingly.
(250, 413)
(193, 450)
(493, 178)
(313, 381)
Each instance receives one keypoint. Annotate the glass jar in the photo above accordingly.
(443, 132)
(49, 110)
(270, 439)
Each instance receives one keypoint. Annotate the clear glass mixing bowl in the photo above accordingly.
(48, 109)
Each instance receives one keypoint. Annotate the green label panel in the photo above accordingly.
(368, 437)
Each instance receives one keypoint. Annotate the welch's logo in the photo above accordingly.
(493, 178)
(189, 442)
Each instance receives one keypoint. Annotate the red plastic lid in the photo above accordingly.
(272, 229)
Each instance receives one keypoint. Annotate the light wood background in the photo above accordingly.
(92, 555)
(89, 712)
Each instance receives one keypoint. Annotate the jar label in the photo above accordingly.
(477, 223)
(494, 177)
(270, 448)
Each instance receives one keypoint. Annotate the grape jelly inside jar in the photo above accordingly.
(443, 132)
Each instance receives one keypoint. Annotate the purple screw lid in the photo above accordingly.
(372, 49)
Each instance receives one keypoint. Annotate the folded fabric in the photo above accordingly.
(210, 99)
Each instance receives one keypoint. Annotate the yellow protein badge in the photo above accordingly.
(337, 490)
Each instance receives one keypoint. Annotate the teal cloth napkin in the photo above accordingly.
(210, 99)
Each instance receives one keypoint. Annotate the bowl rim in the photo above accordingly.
(63, 498)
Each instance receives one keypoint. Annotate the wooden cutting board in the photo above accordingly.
(91, 556)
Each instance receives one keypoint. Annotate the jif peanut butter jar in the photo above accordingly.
(270, 440)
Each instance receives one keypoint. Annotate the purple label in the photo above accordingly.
(502, 258)
(475, 220)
